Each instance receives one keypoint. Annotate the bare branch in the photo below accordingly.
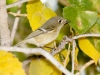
(16, 3)
(26, 62)
(14, 29)
(17, 14)
(4, 31)
(38, 51)
(73, 54)
(86, 35)
(61, 45)
(66, 40)
(85, 66)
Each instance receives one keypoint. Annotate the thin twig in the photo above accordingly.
(73, 54)
(61, 45)
(67, 55)
(38, 51)
(16, 3)
(25, 63)
(14, 29)
(66, 40)
(17, 14)
(85, 66)
(86, 35)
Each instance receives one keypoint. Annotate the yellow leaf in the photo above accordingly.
(64, 53)
(75, 59)
(76, 54)
(38, 13)
(50, 46)
(9, 64)
(98, 14)
(89, 49)
(41, 66)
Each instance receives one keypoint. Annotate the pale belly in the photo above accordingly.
(46, 38)
(43, 39)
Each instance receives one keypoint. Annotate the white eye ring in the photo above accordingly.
(59, 21)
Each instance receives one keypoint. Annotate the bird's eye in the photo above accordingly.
(59, 21)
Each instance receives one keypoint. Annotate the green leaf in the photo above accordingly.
(81, 20)
(96, 5)
(95, 29)
(86, 4)
(82, 4)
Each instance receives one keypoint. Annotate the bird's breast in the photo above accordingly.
(46, 38)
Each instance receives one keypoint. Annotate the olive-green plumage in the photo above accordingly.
(47, 33)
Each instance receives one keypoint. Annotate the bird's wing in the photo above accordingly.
(43, 29)
(35, 33)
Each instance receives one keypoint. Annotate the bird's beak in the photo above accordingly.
(66, 21)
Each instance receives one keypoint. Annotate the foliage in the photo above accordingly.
(85, 18)
(10, 64)
(38, 14)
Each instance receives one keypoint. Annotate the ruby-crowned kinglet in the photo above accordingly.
(47, 33)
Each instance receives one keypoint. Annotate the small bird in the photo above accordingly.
(47, 33)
